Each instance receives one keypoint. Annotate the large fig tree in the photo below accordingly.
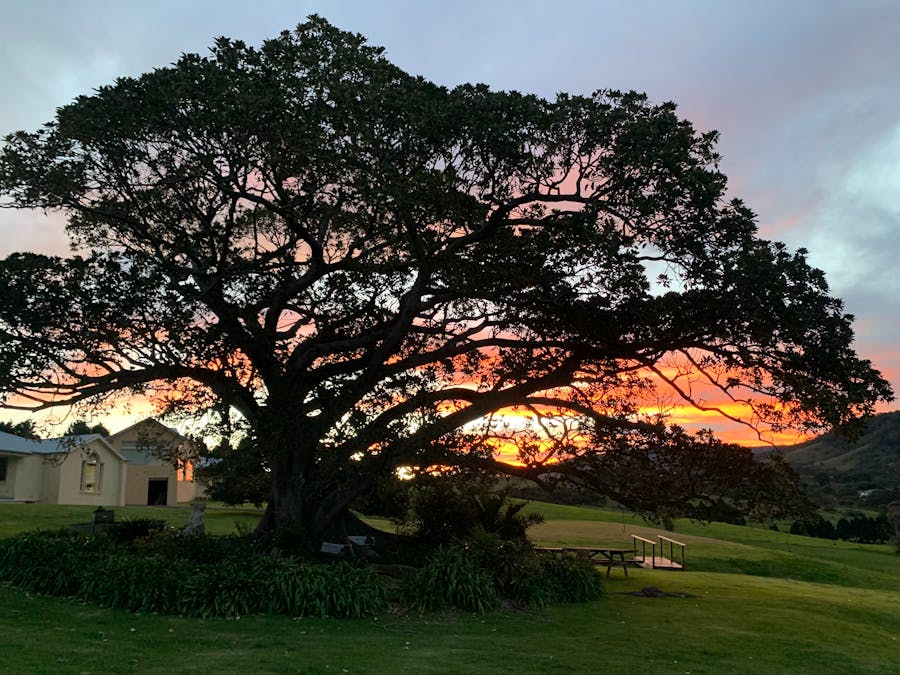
(372, 271)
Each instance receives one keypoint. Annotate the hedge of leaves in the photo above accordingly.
(480, 574)
(450, 579)
(228, 576)
(206, 576)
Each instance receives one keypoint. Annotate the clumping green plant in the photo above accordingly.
(208, 549)
(526, 576)
(231, 587)
(196, 576)
(231, 575)
(481, 573)
(337, 589)
(450, 578)
(514, 566)
(566, 578)
(135, 583)
(50, 562)
(450, 507)
(129, 529)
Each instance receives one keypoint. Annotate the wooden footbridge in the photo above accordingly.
(670, 555)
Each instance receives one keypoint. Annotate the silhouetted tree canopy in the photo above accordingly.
(368, 270)
(235, 475)
(24, 429)
(82, 428)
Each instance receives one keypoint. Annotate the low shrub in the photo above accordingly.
(336, 589)
(526, 576)
(450, 578)
(135, 583)
(129, 529)
(514, 566)
(480, 573)
(196, 576)
(206, 549)
(449, 507)
(228, 576)
(230, 587)
(50, 562)
(566, 578)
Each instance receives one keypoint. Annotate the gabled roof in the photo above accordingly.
(19, 445)
(10, 443)
(150, 421)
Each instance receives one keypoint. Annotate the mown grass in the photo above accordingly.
(731, 549)
(751, 601)
(15, 518)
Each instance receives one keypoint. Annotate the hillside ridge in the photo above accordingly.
(867, 469)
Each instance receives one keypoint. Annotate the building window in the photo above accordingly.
(91, 474)
(3, 462)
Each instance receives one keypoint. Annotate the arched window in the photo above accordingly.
(91, 474)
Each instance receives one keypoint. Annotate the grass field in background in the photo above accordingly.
(750, 601)
(15, 518)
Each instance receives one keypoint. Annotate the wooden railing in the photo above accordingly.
(672, 544)
(642, 556)
(670, 561)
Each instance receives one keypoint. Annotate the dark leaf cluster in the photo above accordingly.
(369, 270)
(860, 528)
(486, 571)
(192, 576)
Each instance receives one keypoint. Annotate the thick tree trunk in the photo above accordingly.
(298, 512)
(289, 444)
(291, 502)
(310, 495)
(305, 506)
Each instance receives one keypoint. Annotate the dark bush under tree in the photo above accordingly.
(193, 576)
(162, 571)
(479, 575)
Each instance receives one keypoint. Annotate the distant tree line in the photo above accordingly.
(24, 429)
(860, 528)
(28, 429)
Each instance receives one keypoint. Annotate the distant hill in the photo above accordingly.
(834, 470)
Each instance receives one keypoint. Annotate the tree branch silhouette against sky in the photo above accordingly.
(804, 95)
(362, 269)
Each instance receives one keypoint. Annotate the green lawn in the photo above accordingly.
(754, 601)
(15, 518)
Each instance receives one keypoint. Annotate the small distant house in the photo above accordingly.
(155, 477)
(70, 470)
(134, 466)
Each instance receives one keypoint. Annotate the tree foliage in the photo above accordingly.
(83, 428)
(235, 475)
(860, 528)
(370, 270)
(671, 474)
(24, 429)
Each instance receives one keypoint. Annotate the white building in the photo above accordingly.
(91, 469)
(71, 470)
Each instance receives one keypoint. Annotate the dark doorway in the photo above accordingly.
(157, 491)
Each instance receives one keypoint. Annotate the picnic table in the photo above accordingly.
(602, 555)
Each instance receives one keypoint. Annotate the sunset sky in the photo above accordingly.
(806, 95)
